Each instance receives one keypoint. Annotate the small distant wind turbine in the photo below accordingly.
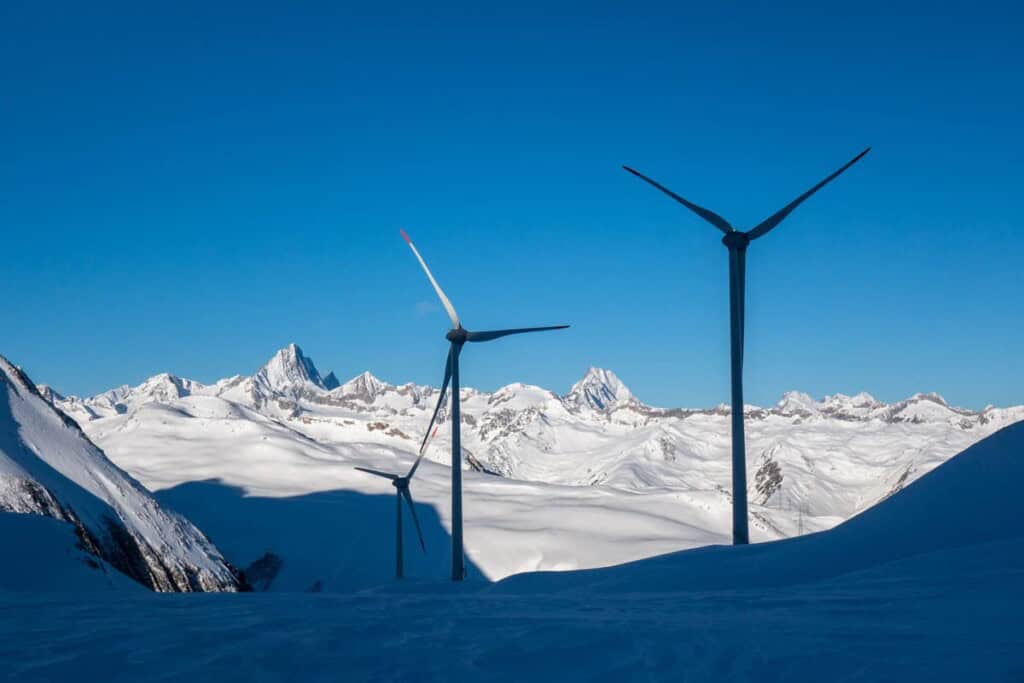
(457, 337)
(401, 485)
(737, 241)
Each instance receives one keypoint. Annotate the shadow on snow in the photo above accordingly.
(334, 541)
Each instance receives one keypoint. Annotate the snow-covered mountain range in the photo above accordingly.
(49, 467)
(596, 434)
(635, 470)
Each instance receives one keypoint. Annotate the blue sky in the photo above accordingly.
(188, 188)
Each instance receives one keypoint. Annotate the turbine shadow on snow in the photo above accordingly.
(336, 541)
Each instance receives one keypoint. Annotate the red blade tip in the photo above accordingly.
(405, 235)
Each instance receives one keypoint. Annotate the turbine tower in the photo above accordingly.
(457, 338)
(736, 241)
(401, 485)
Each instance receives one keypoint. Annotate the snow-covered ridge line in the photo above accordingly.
(598, 433)
(291, 375)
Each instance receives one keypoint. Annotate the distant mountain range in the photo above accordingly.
(831, 457)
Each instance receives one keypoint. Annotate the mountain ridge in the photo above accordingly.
(290, 373)
(49, 467)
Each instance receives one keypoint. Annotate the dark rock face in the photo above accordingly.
(331, 381)
(260, 574)
(476, 465)
(768, 479)
(900, 483)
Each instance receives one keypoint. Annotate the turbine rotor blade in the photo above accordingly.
(378, 473)
(437, 409)
(762, 228)
(488, 335)
(416, 520)
(708, 215)
(452, 315)
(423, 451)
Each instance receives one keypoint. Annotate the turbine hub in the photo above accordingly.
(736, 240)
(458, 335)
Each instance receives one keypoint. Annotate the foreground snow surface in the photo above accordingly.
(913, 589)
(950, 616)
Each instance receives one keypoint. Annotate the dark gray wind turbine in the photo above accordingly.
(457, 337)
(737, 241)
(401, 485)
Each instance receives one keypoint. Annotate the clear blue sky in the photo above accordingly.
(188, 188)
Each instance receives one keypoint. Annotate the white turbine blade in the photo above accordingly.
(437, 288)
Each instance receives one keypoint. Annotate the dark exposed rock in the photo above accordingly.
(260, 574)
(768, 478)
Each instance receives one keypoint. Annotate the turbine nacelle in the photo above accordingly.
(401, 485)
(736, 240)
(457, 336)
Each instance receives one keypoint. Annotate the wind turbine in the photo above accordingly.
(457, 338)
(736, 241)
(401, 485)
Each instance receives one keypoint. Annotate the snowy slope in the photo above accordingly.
(49, 467)
(580, 473)
(966, 502)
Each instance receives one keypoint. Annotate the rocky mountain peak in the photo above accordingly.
(365, 387)
(289, 368)
(599, 389)
(930, 396)
(48, 392)
(796, 403)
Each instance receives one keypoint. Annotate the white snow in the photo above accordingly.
(589, 479)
